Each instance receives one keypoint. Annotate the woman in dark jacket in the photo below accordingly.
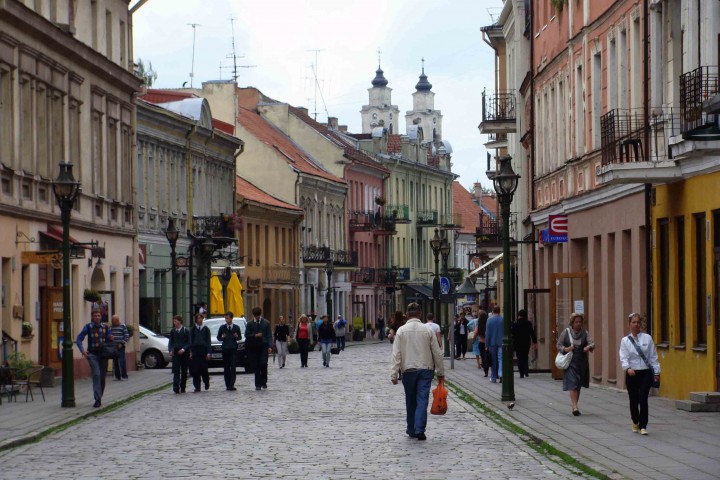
(523, 338)
(398, 321)
(461, 336)
(326, 337)
(577, 340)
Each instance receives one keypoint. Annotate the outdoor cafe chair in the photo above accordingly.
(32, 377)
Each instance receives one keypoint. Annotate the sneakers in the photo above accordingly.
(421, 436)
(643, 431)
(635, 428)
(96, 404)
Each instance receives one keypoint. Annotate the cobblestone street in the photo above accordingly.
(346, 421)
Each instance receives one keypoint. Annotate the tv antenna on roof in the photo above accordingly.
(234, 56)
(316, 83)
(192, 68)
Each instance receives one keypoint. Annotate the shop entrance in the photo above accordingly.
(568, 294)
(51, 330)
(537, 304)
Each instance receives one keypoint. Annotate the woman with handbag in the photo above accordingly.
(577, 340)
(639, 360)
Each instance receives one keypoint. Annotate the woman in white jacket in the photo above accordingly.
(639, 360)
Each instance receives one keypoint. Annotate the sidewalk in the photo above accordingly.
(21, 422)
(679, 445)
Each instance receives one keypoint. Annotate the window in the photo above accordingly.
(57, 129)
(622, 71)
(700, 280)
(112, 170)
(596, 98)
(26, 124)
(664, 264)
(680, 240)
(635, 65)
(42, 129)
(612, 75)
(74, 135)
(579, 113)
(97, 156)
(6, 118)
(108, 34)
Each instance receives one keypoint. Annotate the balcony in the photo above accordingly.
(364, 276)
(498, 112)
(316, 256)
(489, 233)
(698, 90)
(451, 221)
(282, 274)
(344, 258)
(625, 156)
(398, 213)
(371, 222)
(497, 140)
(427, 218)
(220, 228)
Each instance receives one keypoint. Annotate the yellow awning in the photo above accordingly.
(234, 296)
(217, 305)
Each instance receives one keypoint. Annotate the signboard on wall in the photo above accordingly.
(557, 232)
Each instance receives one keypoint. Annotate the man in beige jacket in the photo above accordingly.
(416, 355)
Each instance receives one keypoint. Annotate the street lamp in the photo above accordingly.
(171, 233)
(436, 244)
(505, 183)
(66, 189)
(445, 252)
(328, 294)
(207, 247)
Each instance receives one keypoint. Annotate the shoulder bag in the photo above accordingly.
(656, 383)
(562, 360)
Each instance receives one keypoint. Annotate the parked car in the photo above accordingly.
(216, 360)
(153, 349)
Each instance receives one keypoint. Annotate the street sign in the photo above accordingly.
(41, 257)
(444, 285)
(181, 261)
(558, 228)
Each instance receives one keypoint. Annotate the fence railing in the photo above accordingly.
(498, 106)
(369, 221)
(696, 87)
(399, 213)
(427, 217)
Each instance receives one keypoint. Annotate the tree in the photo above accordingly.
(146, 73)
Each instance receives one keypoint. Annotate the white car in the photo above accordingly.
(153, 349)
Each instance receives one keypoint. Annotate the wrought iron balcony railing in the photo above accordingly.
(622, 135)
(427, 218)
(451, 221)
(364, 275)
(215, 226)
(498, 106)
(371, 222)
(697, 87)
(316, 254)
(398, 213)
(345, 258)
(282, 274)
(489, 232)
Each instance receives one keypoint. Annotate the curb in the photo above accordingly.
(37, 436)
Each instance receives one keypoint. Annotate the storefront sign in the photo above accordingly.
(558, 228)
(41, 257)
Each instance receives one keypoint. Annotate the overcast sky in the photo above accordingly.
(278, 38)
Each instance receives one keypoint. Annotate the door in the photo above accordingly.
(568, 294)
(51, 330)
(716, 291)
(537, 304)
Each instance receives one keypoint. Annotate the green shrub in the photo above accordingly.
(20, 362)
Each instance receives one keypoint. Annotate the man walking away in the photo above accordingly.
(523, 335)
(121, 336)
(380, 325)
(340, 332)
(493, 339)
(229, 334)
(179, 348)
(258, 342)
(416, 354)
(433, 327)
(200, 353)
(281, 336)
(98, 333)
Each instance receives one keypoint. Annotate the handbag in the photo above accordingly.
(109, 350)
(439, 404)
(562, 360)
(656, 383)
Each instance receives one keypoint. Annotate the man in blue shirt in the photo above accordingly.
(97, 333)
(493, 340)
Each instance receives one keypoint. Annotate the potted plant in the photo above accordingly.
(380, 200)
(27, 329)
(91, 295)
(130, 330)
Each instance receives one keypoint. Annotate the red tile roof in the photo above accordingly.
(223, 126)
(394, 145)
(286, 148)
(248, 191)
(163, 96)
(464, 205)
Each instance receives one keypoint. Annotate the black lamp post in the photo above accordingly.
(328, 294)
(435, 245)
(505, 183)
(66, 189)
(207, 247)
(445, 252)
(171, 233)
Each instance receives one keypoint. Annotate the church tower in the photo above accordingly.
(423, 112)
(380, 112)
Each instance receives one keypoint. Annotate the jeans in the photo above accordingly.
(282, 350)
(229, 365)
(638, 388)
(180, 365)
(325, 346)
(303, 344)
(98, 367)
(417, 392)
(495, 363)
(119, 364)
(381, 332)
(340, 340)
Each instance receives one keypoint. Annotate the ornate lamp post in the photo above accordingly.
(171, 233)
(207, 247)
(505, 183)
(435, 244)
(328, 294)
(66, 189)
(445, 252)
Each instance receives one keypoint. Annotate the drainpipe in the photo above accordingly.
(648, 186)
(531, 183)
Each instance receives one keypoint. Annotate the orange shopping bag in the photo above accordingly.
(440, 393)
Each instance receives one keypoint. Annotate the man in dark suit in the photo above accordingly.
(179, 348)
(199, 352)
(229, 334)
(258, 343)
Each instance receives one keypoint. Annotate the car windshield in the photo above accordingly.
(150, 333)
(214, 325)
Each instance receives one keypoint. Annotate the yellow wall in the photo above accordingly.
(685, 370)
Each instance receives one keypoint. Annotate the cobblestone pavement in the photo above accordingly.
(346, 421)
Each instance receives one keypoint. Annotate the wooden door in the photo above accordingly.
(51, 330)
(568, 294)
(537, 304)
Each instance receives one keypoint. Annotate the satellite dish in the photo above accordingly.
(183, 85)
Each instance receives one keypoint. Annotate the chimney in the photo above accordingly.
(477, 191)
(342, 128)
(332, 123)
(304, 111)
